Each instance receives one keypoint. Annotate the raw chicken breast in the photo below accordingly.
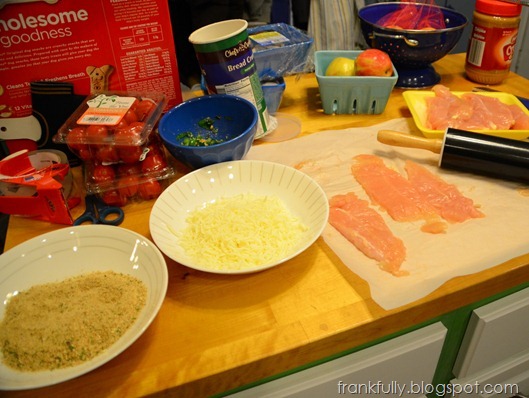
(488, 114)
(471, 112)
(445, 198)
(445, 108)
(398, 196)
(521, 120)
(367, 231)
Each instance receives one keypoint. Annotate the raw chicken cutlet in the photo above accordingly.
(472, 112)
(367, 231)
(421, 196)
(396, 194)
(444, 197)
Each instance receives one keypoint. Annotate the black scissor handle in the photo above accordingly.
(105, 213)
(98, 212)
(85, 217)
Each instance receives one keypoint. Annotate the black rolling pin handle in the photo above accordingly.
(486, 155)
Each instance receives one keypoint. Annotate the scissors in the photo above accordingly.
(97, 212)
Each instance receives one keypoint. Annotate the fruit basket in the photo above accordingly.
(351, 94)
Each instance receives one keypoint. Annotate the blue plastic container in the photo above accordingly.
(279, 50)
(273, 93)
(351, 94)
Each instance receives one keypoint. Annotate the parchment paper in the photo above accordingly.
(465, 248)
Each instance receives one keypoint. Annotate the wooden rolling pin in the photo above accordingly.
(396, 138)
(467, 151)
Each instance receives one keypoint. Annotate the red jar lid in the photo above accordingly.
(498, 8)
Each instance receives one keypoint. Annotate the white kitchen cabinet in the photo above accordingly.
(495, 333)
(402, 366)
(505, 379)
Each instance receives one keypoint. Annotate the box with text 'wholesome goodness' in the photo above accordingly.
(53, 53)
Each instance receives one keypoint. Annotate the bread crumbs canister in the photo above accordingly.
(492, 41)
(225, 55)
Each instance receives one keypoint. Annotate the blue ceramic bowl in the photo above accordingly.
(235, 119)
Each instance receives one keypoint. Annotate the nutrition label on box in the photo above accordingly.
(140, 36)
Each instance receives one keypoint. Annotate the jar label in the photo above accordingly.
(492, 48)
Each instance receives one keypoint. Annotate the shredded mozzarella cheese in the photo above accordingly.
(241, 232)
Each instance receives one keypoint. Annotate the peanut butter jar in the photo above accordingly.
(492, 41)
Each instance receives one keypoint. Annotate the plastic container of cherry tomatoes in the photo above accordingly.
(123, 157)
(119, 183)
(105, 123)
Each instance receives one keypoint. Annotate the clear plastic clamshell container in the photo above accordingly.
(119, 183)
(123, 157)
(113, 118)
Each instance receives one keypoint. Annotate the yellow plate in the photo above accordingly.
(416, 101)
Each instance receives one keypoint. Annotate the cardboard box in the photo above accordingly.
(53, 53)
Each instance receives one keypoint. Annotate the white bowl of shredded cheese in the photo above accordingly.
(239, 217)
(88, 292)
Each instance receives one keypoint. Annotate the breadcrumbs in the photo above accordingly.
(58, 325)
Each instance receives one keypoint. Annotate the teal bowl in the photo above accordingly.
(233, 122)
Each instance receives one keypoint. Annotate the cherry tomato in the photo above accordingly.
(155, 145)
(75, 139)
(102, 173)
(129, 154)
(137, 126)
(85, 154)
(122, 124)
(135, 104)
(129, 169)
(96, 134)
(131, 116)
(128, 135)
(153, 162)
(128, 186)
(150, 189)
(144, 109)
(107, 153)
(114, 198)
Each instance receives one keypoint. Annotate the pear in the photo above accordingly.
(341, 66)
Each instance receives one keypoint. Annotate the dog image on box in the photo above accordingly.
(99, 77)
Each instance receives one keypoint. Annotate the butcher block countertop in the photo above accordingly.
(215, 333)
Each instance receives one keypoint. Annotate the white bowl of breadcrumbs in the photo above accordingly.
(73, 299)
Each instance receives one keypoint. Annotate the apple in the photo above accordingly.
(373, 62)
(341, 66)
